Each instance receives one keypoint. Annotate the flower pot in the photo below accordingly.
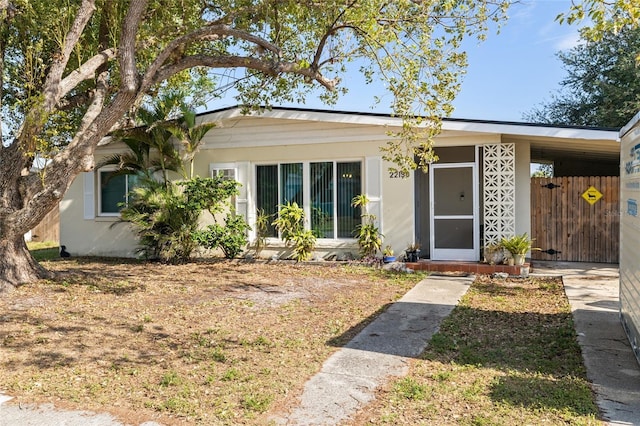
(510, 261)
(412, 255)
(388, 259)
(518, 259)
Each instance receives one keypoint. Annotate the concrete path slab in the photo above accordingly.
(349, 378)
(593, 292)
(48, 415)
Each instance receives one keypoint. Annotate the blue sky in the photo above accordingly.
(508, 74)
(516, 70)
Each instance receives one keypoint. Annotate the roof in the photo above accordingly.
(467, 125)
(546, 141)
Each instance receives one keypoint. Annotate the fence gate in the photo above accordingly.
(576, 219)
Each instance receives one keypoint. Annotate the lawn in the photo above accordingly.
(233, 342)
(506, 355)
(204, 343)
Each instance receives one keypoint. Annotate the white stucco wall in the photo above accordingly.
(523, 188)
(92, 237)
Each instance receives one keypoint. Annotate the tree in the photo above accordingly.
(73, 71)
(603, 83)
(605, 16)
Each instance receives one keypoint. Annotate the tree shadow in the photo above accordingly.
(544, 393)
(117, 284)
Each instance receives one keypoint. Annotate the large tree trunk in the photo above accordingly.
(18, 265)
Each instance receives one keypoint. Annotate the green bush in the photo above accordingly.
(230, 238)
(290, 224)
(165, 215)
(367, 233)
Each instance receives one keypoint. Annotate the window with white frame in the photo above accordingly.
(113, 191)
(224, 173)
(323, 189)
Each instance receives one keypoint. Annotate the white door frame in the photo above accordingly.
(455, 254)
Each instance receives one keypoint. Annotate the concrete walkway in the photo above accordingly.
(592, 290)
(349, 378)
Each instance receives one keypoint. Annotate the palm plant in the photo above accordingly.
(136, 161)
(150, 146)
(190, 135)
(367, 233)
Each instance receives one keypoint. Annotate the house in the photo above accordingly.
(477, 192)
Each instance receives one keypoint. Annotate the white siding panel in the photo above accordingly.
(373, 187)
(630, 235)
(89, 196)
(242, 200)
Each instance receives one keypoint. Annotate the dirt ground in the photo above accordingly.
(218, 342)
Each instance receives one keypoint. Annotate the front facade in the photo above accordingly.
(476, 193)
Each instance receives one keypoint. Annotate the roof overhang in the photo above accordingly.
(546, 141)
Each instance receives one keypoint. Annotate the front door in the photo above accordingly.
(454, 211)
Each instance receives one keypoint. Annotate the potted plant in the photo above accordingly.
(494, 253)
(412, 252)
(387, 255)
(518, 246)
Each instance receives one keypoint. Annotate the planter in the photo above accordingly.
(494, 256)
(510, 261)
(518, 259)
(412, 256)
(388, 259)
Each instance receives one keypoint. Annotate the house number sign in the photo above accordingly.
(591, 195)
(395, 174)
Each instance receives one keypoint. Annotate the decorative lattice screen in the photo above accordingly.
(499, 191)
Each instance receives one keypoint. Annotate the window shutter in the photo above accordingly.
(373, 187)
(88, 195)
(242, 200)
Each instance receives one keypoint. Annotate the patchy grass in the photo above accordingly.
(223, 342)
(507, 354)
(44, 250)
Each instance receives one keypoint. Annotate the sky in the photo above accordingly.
(508, 75)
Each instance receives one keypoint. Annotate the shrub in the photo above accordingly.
(230, 238)
(290, 224)
(367, 233)
(165, 215)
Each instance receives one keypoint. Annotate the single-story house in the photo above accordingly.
(477, 192)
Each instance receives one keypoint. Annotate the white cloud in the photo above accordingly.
(568, 41)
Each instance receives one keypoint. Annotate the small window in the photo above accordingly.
(114, 190)
(226, 174)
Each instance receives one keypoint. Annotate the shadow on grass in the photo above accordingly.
(541, 393)
(118, 286)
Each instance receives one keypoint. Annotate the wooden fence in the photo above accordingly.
(576, 219)
(49, 228)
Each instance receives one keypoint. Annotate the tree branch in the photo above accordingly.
(331, 31)
(51, 88)
(85, 71)
(127, 49)
(208, 32)
(267, 67)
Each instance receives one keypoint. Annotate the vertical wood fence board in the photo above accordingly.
(49, 228)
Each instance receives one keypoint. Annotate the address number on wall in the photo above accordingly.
(398, 174)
